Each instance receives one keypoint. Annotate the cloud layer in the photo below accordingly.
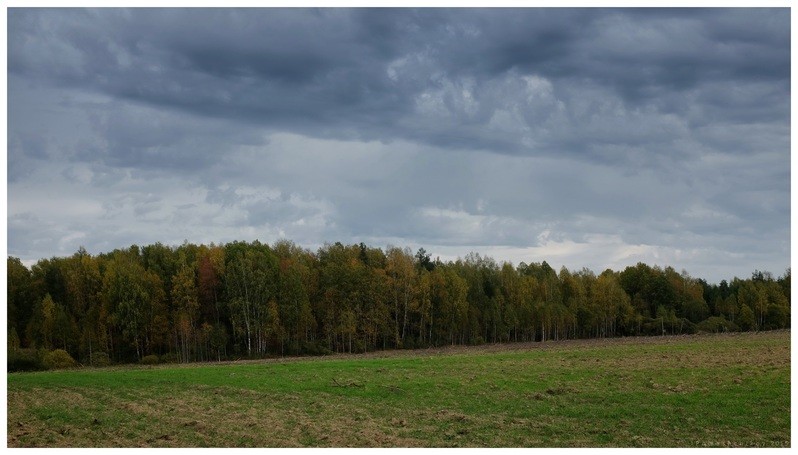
(585, 137)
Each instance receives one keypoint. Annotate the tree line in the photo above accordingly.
(249, 299)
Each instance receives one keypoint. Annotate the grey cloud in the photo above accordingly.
(23, 152)
(637, 131)
(144, 138)
(250, 65)
(260, 66)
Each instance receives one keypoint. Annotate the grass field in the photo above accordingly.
(694, 391)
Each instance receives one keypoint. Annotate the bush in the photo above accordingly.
(25, 360)
(58, 359)
(170, 357)
(100, 359)
(151, 359)
(13, 340)
(777, 317)
(685, 326)
(651, 327)
(315, 348)
(717, 324)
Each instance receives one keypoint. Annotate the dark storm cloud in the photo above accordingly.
(361, 73)
(623, 134)
(263, 66)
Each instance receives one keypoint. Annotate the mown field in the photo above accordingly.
(691, 391)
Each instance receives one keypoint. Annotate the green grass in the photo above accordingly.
(727, 390)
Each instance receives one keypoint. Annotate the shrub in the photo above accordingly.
(777, 317)
(13, 340)
(170, 357)
(25, 360)
(685, 326)
(651, 327)
(151, 359)
(100, 359)
(315, 348)
(717, 324)
(58, 359)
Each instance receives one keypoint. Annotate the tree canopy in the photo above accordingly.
(249, 299)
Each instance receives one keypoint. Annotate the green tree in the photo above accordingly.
(84, 299)
(135, 300)
(64, 329)
(746, 320)
(21, 297)
(210, 272)
(218, 340)
(185, 300)
(777, 317)
(608, 298)
(251, 277)
(401, 273)
(273, 328)
(41, 326)
(729, 307)
(456, 307)
(423, 306)
(752, 294)
(212, 301)
(510, 284)
(423, 260)
(784, 282)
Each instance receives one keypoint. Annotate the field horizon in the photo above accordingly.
(708, 390)
(452, 349)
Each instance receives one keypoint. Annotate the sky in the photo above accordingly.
(594, 138)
